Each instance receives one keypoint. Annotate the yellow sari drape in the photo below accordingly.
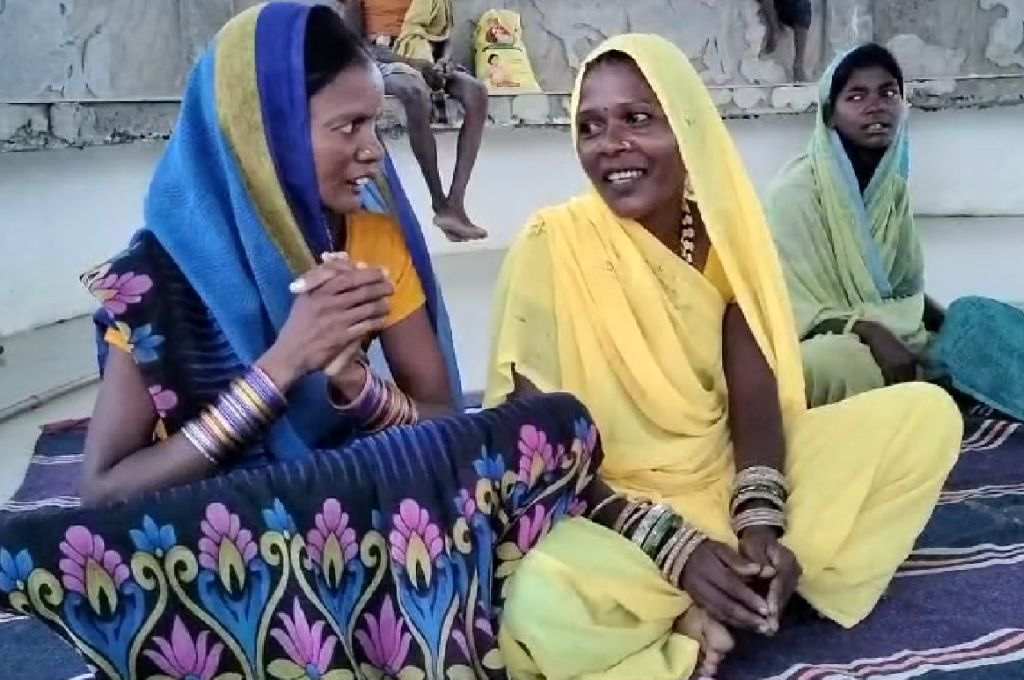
(426, 22)
(594, 305)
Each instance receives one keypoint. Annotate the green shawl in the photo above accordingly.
(849, 256)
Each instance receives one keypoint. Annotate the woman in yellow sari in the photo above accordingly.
(658, 300)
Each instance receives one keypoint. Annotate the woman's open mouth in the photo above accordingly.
(624, 177)
(358, 183)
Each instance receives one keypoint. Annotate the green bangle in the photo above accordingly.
(646, 525)
(664, 524)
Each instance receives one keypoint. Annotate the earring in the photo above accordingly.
(689, 195)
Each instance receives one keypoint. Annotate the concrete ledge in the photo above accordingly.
(40, 125)
(40, 365)
(62, 125)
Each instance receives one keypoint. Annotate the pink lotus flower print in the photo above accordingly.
(532, 528)
(183, 658)
(415, 542)
(384, 641)
(332, 543)
(226, 548)
(466, 505)
(115, 292)
(536, 455)
(163, 400)
(91, 570)
(309, 652)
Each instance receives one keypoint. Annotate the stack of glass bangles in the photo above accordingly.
(656, 529)
(380, 404)
(759, 498)
(242, 412)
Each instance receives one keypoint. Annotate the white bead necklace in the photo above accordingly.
(687, 236)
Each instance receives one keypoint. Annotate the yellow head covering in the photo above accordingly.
(626, 326)
(728, 203)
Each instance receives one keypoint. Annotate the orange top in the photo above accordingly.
(384, 17)
(377, 240)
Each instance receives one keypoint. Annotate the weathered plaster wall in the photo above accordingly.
(127, 49)
(724, 38)
(103, 49)
(97, 72)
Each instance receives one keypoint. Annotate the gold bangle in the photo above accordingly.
(685, 536)
(201, 442)
(627, 511)
(604, 504)
(638, 515)
(744, 497)
(759, 517)
(760, 475)
(215, 429)
(249, 395)
(689, 547)
(237, 438)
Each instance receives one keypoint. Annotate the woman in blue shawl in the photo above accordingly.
(274, 164)
(330, 552)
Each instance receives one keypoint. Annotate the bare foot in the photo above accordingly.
(456, 225)
(714, 639)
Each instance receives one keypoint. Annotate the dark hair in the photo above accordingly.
(865, 56)
(612, 57)
(331, 47)
(493, 58)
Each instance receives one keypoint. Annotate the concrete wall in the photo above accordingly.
(94, 72)
(724, 38)
(104, 49)
(123, 49)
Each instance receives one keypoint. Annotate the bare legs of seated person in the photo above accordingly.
(411, 89)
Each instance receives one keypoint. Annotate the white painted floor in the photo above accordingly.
(46, 361)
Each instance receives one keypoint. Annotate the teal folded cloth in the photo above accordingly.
(981, 349)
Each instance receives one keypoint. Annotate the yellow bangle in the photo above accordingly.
(245, 391)
(225, 423)
(214, 426)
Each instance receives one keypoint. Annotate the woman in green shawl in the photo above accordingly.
(842, 218)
